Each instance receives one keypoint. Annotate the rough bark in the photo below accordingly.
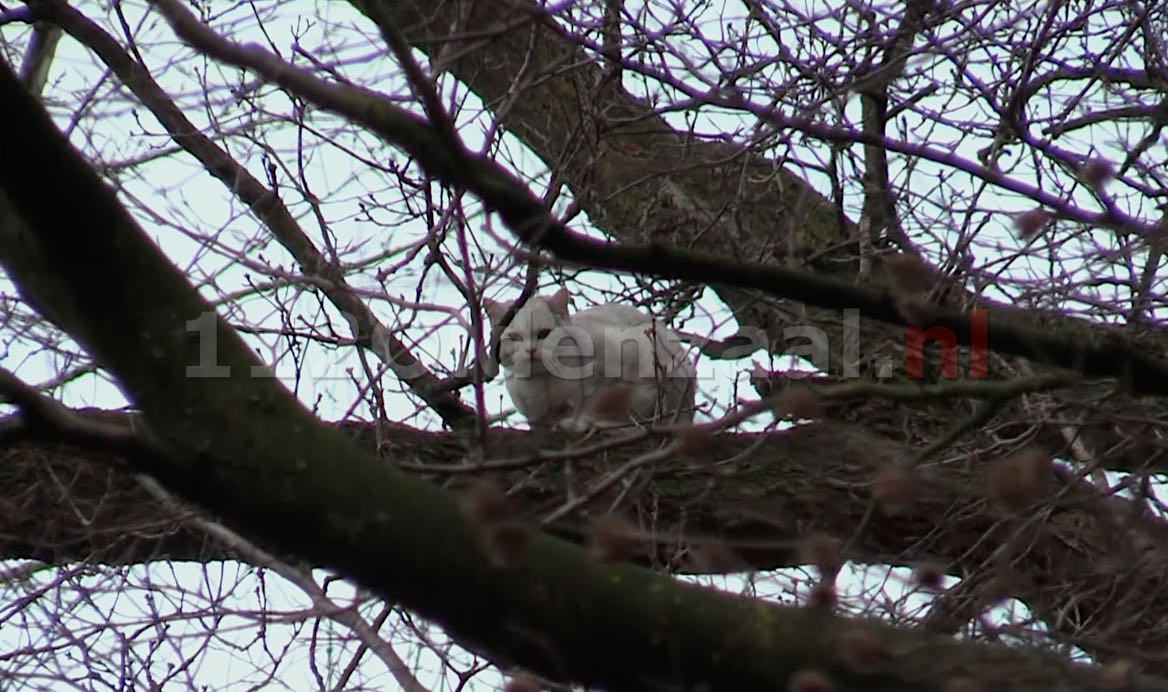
(1070, 552)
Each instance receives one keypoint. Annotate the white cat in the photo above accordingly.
(596, 368)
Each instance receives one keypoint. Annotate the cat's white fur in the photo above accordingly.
(599, 367)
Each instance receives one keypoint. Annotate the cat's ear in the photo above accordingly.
(559, 302)
(495, 310)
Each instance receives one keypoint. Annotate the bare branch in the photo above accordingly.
(369, 332)
(1115, 356)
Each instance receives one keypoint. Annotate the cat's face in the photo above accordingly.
(535, 341)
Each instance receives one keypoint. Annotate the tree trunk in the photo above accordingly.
(1069, 552)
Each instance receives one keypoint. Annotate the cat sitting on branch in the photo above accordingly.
(602, 367)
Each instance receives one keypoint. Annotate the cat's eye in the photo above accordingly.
(543, 333)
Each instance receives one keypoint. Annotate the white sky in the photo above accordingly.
(188, 204)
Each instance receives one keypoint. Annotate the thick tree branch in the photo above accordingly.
(814, 478)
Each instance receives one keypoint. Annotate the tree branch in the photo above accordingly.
(816, 478)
